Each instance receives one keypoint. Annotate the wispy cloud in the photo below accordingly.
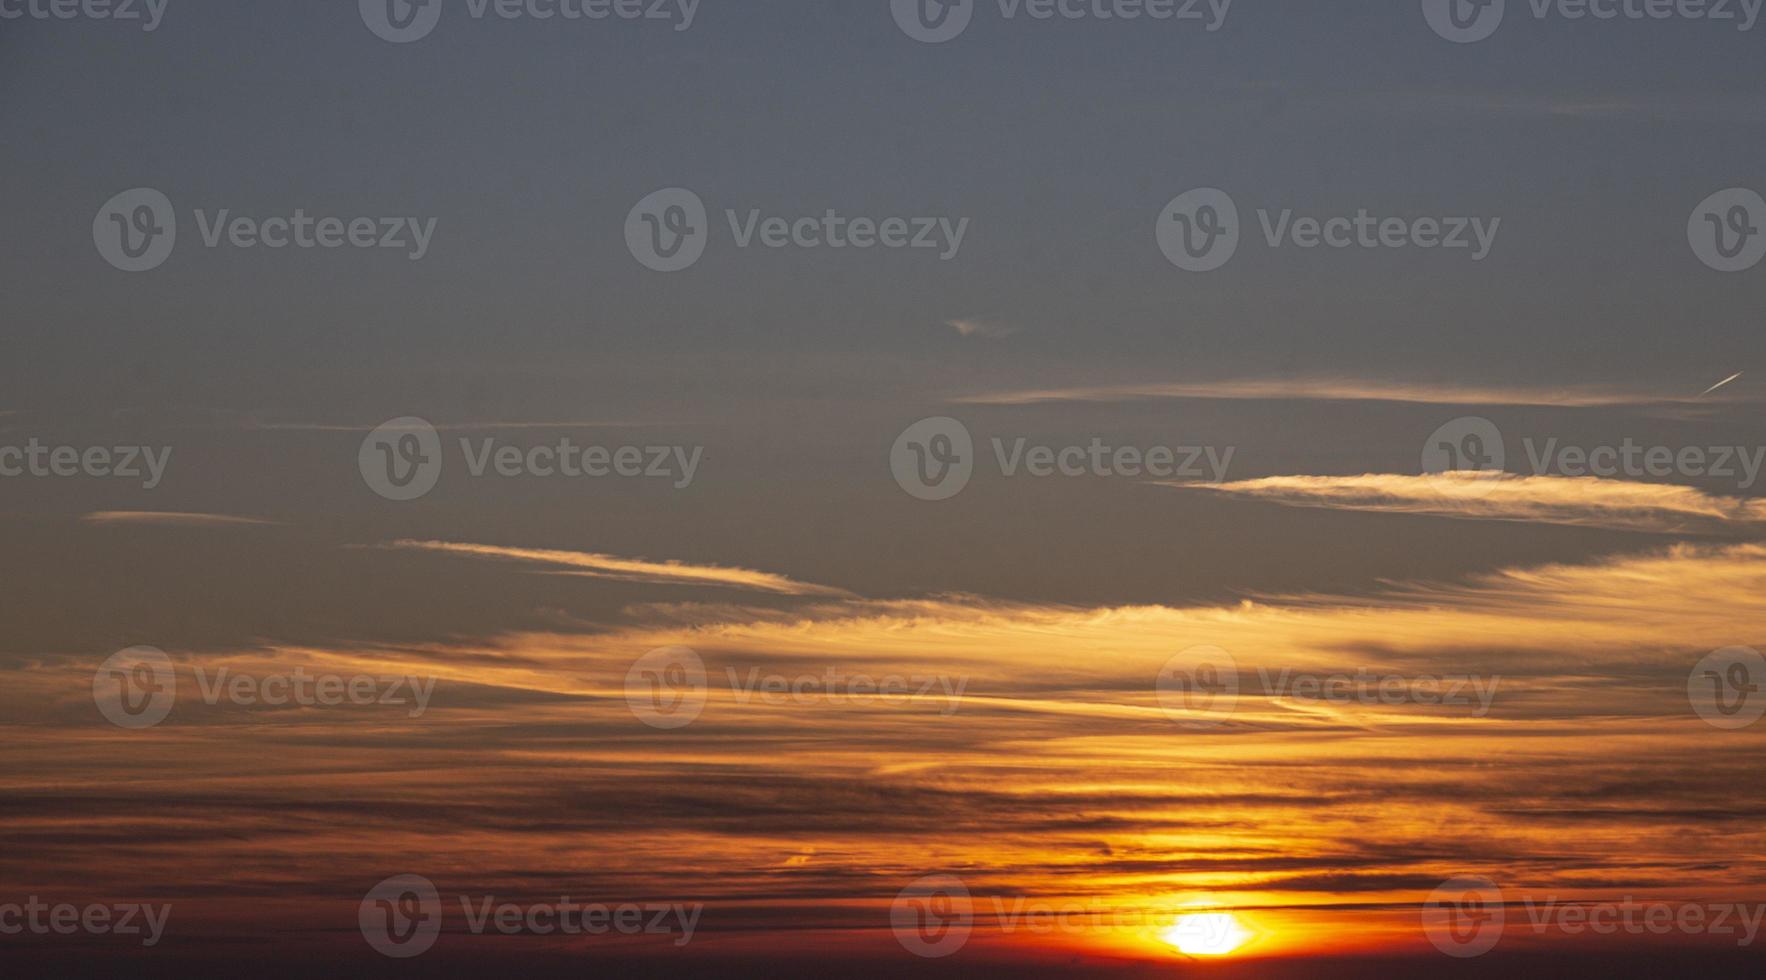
(629, 569)
(175, 518)
(985, 329)
(1088, 788)
(443, 427)
(1333, 389)
(1580, 501)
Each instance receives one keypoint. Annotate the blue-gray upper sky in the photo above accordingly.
(528, 142)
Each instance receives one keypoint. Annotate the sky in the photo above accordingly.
(1134, 532)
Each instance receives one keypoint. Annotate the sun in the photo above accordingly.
(1206, 934)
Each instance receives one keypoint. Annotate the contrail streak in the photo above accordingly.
(1720, 384)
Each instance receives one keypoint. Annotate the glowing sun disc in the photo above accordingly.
(1206, 934)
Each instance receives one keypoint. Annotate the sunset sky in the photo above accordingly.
(657, 690)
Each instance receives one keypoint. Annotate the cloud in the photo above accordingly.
(1333, 389)
(171, 518)
(1578, 501)
(984, 329)
(630, 569)
(1059, 777)
(255, 426)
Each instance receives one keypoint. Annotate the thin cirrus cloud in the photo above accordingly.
(984, 329)
(1334, 389)
(172, 519)
(446, 427)
(1578, 501)
(617, 568)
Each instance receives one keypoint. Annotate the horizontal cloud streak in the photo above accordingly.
(1578, 501)
(985, 329)
(255, 426)
(170, 518)
(630, 569)
(1334, 389)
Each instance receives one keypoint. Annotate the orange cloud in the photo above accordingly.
(1060, 781)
